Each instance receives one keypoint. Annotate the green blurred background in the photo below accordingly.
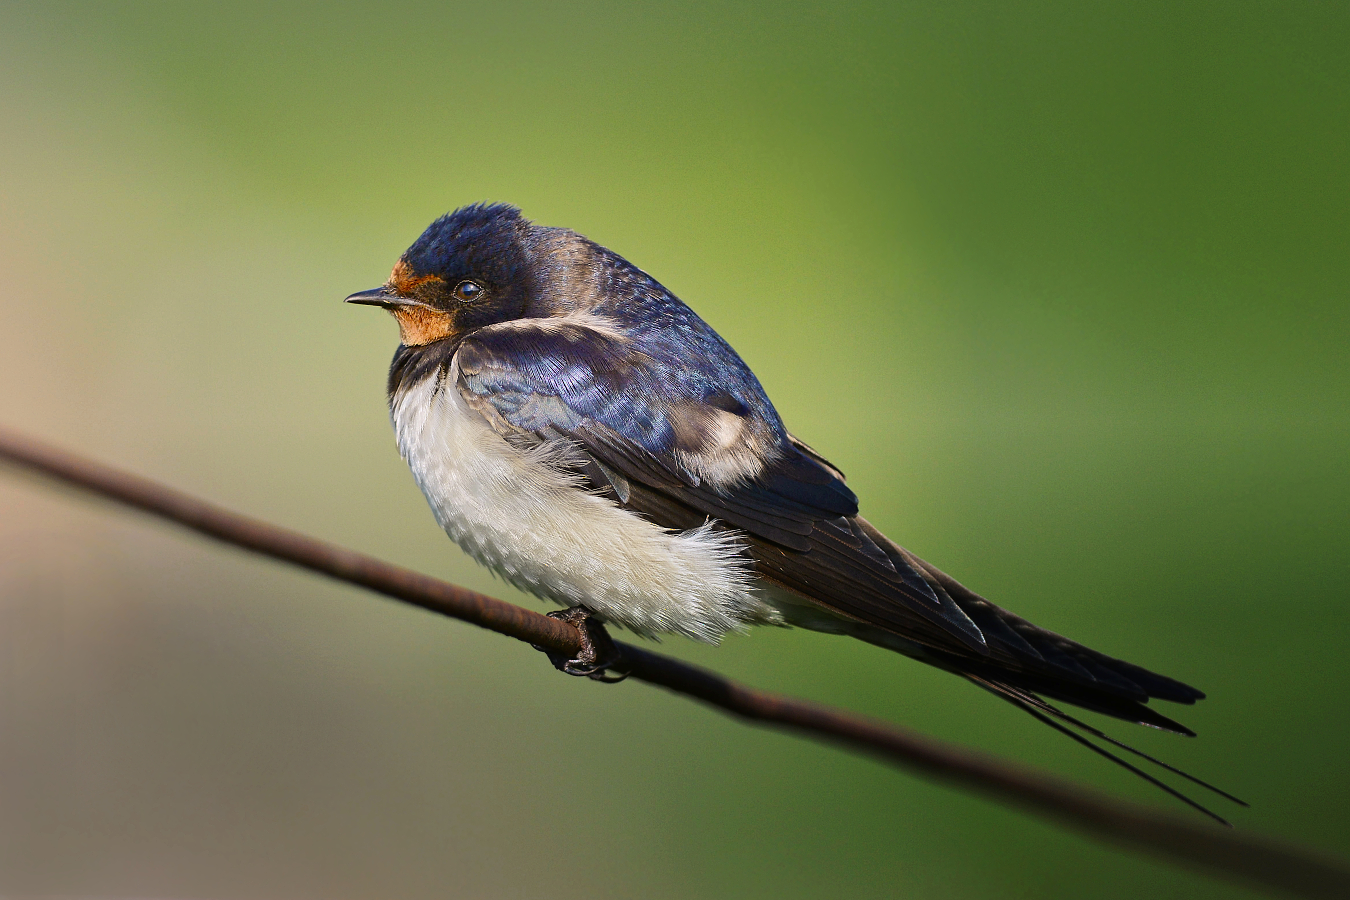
(1061, 286)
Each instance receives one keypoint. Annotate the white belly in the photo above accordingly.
(535, 526)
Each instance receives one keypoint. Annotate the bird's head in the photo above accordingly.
(470, 268)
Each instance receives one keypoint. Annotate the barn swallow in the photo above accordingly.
(583, 433)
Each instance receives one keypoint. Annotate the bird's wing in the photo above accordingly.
(660, 443)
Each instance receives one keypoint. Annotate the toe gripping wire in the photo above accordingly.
(599, 659)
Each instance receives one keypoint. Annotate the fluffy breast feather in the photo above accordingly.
(515, 511)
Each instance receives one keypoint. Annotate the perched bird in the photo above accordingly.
(580, 431)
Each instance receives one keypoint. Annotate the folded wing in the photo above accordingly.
(641, 433)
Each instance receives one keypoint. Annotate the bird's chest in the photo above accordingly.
(516, 512)
(494, 500)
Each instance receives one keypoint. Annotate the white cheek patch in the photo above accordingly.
(515, 512)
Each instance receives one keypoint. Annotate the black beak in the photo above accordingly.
(380, 296)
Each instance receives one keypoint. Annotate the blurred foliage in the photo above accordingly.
(1061, 286)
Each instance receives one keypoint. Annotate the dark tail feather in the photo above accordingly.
(1040, 685)
(1042, 711)
(1085, 727)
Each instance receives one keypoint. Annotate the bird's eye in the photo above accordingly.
(468, 291)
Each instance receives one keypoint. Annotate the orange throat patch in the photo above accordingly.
(419, 325)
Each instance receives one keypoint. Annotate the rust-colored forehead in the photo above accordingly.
(404, 280)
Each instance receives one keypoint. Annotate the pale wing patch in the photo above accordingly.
(574, 324)
(599, 324)
(722, 448)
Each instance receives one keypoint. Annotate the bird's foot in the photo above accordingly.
(599, 658)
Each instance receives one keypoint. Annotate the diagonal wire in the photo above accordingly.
(1256, 861)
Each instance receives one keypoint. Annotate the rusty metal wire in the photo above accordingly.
(1252, 860)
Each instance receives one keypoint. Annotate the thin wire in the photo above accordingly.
(1295, 870)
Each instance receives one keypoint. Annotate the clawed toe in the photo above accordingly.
(599, 659)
